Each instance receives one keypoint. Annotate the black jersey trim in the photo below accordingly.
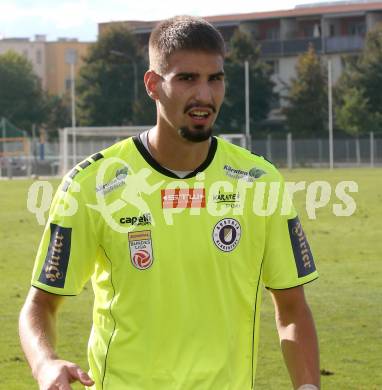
(97, 156)
(84, 164)
(73, 173)
(65, 186)
(260, 155)
(111, 315)
(52, 293)
(287, 288)
(253, 329)
(154, 164)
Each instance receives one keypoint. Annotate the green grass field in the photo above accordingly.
(346, 300)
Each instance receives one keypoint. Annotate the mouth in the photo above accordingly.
(200, 115)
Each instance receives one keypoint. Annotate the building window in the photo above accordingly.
(68, 84)
(272, 34)
(357, 28)
(317, 30)
(39, 57)
(308, 31)
(71, 56)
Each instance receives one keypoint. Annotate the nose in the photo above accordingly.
(203, 93)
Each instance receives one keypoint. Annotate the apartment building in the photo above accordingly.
(334, 29)
(34, 51)
(59, 55)
(50, 59)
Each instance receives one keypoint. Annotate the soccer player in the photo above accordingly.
(169, 226)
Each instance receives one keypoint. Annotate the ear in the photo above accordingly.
(151, 80)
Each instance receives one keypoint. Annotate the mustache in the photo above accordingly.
(195, 105)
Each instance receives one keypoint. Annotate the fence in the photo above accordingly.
(348, 152)
(283, 152)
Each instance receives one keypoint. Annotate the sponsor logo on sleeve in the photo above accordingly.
(301, 250)
(141, 249)
(226, 234)
(183, 198)
(118, 181)
(53, 272)
(122, 173)
(247, 175)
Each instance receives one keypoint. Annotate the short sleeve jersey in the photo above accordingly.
(176, 264)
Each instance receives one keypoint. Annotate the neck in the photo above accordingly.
(170, 150)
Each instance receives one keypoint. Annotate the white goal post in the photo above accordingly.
(77, 143)
(235, 138)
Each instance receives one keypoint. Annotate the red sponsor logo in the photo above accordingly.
(142, 259)
(183, 198)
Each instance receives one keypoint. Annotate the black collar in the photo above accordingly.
(154, 164)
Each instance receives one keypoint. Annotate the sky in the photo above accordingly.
(79, 18)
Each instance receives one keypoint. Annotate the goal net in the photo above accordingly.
(14, 147)
(14, 150)
(77, 143)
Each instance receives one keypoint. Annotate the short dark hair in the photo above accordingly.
(182, 33)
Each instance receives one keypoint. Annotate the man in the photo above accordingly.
(166, 229)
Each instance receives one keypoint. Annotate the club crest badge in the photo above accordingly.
(226, 234)
(141, 250)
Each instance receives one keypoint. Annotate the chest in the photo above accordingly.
(184, 233)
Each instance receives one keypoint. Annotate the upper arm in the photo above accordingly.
(43, 300)
(289, 303)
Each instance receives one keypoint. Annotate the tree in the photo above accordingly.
(21, 96)
(242, 48)
(232, 117)
(144, 110)
(58, 114)
(358, 103)
(353, 114)
(370, 75)
(108, 86)
(306, 113)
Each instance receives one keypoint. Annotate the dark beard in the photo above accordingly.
(198, 134)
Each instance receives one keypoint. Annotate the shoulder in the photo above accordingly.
(255, 165)
(85, 173)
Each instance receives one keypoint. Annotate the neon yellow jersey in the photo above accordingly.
(176, 264)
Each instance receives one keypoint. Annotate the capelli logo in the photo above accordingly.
(141, 220)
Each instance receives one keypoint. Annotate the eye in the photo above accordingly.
(186, 77)
(217, 77)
